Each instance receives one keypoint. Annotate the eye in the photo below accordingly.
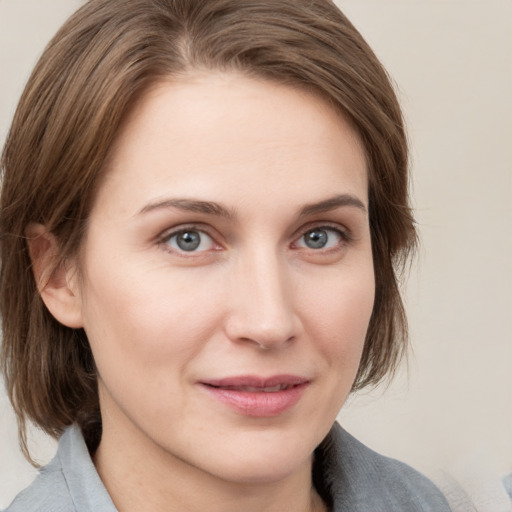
(320, 238)
(189, 240)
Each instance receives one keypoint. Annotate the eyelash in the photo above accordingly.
(344, 235)
(167, 236)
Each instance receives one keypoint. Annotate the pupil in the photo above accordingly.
(188, 241)
(316, 239)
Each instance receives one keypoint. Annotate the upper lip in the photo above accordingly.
(255, 383)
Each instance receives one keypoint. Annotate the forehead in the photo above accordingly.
(210, 132)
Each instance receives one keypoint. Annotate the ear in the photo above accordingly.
(57, 284)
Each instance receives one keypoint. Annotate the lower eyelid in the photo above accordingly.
(166, 238)
(344, 236)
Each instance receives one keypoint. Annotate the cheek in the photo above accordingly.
(138, 322)
(144, 332)
(337, 315)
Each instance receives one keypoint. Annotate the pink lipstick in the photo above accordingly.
(257, 396)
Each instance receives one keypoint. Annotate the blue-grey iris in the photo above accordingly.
(188, 240)
(316, 238)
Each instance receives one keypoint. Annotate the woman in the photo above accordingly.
(204, 211)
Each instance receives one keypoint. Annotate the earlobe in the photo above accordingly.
(56, 282)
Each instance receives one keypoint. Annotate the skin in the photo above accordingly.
(252, 299)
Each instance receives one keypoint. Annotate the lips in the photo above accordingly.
(256, 396)
(252, 389)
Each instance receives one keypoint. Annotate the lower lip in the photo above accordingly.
(260, 404)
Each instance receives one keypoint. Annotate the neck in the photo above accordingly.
(140, 476)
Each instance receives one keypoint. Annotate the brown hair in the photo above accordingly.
(104, 57)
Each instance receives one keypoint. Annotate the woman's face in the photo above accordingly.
(227, 277)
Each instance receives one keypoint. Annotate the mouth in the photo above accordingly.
(253, 389)
(256, 396)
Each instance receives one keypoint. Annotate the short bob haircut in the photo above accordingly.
(92, 72)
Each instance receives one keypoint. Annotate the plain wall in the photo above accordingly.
(452, 61)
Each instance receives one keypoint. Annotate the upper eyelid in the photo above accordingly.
(215, 235)
(343, 238)
(169, 232)
(335, 226)
(165, 236)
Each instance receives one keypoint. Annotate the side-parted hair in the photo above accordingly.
(91, 73)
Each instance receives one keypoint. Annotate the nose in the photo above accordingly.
(262, 304)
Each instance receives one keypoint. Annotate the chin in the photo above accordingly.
(255, 470)
(263, 458)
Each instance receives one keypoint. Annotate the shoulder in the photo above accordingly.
(48, 492)
(359, 479)
(69, 483)
(507, 483)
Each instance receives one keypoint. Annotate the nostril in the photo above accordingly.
(265, 317)
(268, 343)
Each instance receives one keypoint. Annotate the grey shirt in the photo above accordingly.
(349, 476)
(507, 483)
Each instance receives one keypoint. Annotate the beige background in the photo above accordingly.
(452, 60)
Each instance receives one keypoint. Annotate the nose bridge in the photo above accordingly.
(262, 303)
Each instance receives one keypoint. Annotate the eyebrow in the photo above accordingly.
(216, 209)
(332, 204)
(190, 205)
